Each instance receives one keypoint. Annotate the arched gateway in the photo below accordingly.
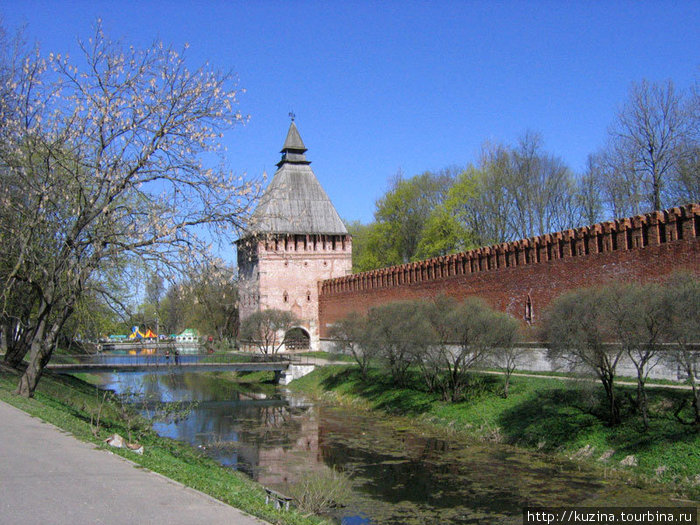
(296, 239)
(297, 339)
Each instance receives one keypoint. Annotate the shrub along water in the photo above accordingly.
(444, 339)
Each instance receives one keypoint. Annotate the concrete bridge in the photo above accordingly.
(286, 367)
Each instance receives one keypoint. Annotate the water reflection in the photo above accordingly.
(398, 477)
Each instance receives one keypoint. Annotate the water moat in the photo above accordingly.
(399, 475)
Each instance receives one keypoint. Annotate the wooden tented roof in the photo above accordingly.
(294, 201)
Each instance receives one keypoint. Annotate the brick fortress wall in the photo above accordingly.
(522, 277)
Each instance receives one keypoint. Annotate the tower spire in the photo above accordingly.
(293, 149)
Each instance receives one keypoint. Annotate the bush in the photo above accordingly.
(321, 490)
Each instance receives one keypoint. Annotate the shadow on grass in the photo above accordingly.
(410, 399)
(543, 414)
(378, 389)
(564, 417)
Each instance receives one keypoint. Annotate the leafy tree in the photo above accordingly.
(514, 192)
(442, 234)
(266, 329)
(155, 289)
(213, 291)
(372, 246)
(103, 164)
(405, 208)
(92, 319)
(479, 199)
(206, 298)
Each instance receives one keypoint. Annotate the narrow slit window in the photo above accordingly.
(528, 310)
(662, 233)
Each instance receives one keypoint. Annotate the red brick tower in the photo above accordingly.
(296, 239)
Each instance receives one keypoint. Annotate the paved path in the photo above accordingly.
(618, 382)
(48, 476)
(324, 362)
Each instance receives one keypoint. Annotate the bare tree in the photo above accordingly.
(506, 354)
(542, 189)
(589, 195)
(398, 333)
(486, 205)
(636, 315)
(681, 304)
(349, 335)
(104, 167)
(647, 139)
(266, 329)
(577, 331)
(515, 192)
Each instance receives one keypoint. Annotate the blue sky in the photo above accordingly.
(415, 86)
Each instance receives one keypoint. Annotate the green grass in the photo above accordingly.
(261, 376)
(551, 415)
(68, 403)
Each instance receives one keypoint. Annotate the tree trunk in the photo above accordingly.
(15, 353)
(642, 399)
(32, 374)
(20, 348)
(42, 348)
(696, 394)
(614, 412)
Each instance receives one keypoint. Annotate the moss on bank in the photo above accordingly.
(70, 403)
(547, 414)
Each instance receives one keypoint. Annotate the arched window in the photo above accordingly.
(285, 297)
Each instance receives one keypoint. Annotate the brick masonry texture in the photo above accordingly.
(531, 271)
(283, 272)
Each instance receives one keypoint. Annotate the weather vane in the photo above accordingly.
(292, 115)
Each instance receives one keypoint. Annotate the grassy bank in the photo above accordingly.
(546, 414)
(70, 404)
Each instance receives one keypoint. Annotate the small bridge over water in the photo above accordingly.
(286, 367)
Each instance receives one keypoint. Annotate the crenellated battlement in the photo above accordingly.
(304, 243)
(633, 233)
